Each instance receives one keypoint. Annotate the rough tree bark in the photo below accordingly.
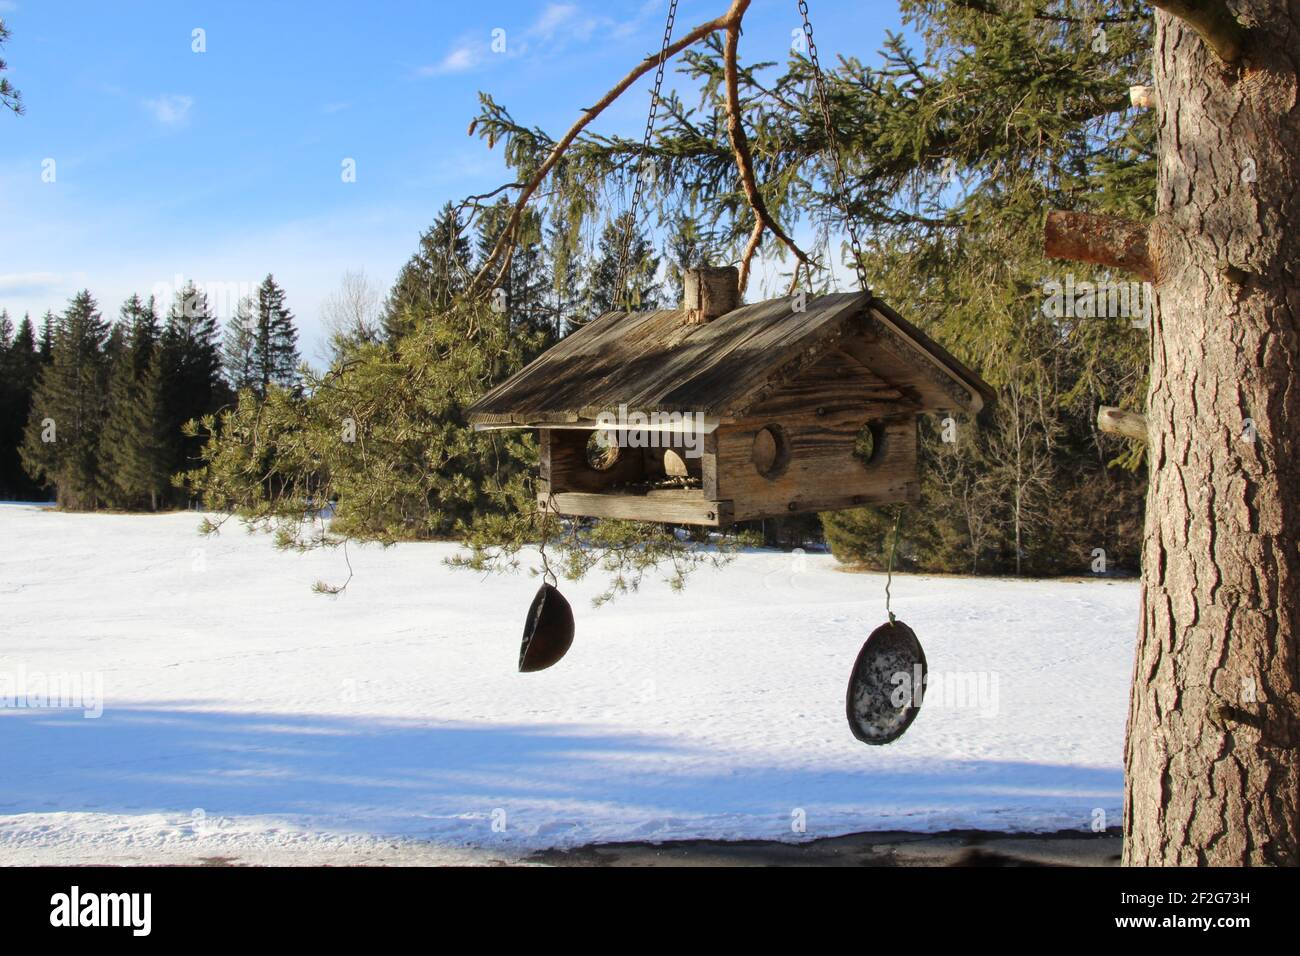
(1212, 766)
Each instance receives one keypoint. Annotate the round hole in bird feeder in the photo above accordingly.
(869, 444)
(771, 451)
(603, 451)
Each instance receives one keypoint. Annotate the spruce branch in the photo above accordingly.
(745, 162)
(730, 22)
(645, 66)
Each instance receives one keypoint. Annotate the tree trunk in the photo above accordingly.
(1213, 773)
(1017, 512)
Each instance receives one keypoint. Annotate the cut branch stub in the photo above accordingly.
(1116, 421)
(1213, 23)
(1142, 97)
(1100, 240)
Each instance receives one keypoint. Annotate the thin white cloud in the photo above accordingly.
(556, 27)
(8, 6)
(553, 17)
(15, 283)
(170, 109)
(650, 11)
(464, 56)
(566, 22)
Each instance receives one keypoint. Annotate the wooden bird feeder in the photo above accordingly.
(720, 412)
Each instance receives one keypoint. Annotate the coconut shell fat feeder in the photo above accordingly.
(548, 630)
(886, 684)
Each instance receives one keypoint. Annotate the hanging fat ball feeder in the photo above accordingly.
(548, 630)
(880, 706)
(887, 683)
(888, 679)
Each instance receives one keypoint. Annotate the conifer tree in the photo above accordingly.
(382, 437)
(61, 440)
(45, 348)
(10, 403)
(135, 451)
(524, 290)
(563, 266)
(275, 339)
(19, 366)
(115, 344)
(432, 277)
(641, 278)
(190, 369)
(24, 342)
(238, 346)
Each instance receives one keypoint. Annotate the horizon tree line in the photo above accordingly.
(94, 411)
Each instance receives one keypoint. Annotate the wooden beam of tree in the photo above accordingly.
(507, 239)
(1213, 23)
(1116, 421)
(1100, 240)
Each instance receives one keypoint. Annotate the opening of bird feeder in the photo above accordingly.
(869, 443)
(771, 451)
(602, 450)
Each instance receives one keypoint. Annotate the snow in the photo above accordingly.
(245, 717)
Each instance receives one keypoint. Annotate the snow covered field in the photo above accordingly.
(245, 717)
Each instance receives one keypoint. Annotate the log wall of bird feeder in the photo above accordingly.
(743, 412)
(709, 292)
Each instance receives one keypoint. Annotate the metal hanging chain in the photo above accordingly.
(621, 292)
(833, 148)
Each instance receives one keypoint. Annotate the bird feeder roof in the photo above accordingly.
(657, 361)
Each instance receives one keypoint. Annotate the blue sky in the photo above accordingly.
(224, 165)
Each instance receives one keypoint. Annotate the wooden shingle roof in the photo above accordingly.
(656, 361)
